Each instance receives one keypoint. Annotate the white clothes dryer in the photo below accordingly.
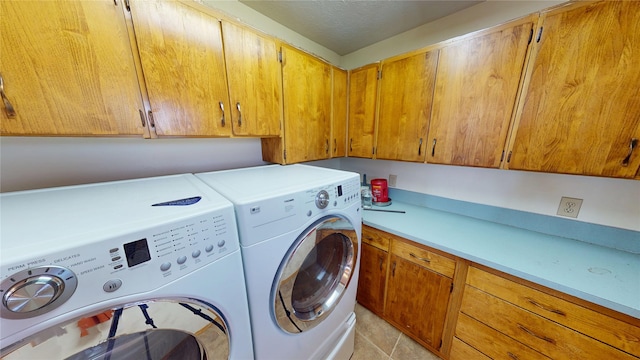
(300, 229)
(137, 269)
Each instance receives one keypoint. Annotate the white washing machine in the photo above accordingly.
(139, 269)
(300, 229)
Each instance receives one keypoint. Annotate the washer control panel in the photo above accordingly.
(137, 262)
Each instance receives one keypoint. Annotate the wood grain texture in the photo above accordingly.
(306, 85)
(423, 257)
(542, 335)
(491, 342)
(68, 69)
(363, 87)
(599, 326)
(255, 81)
(463, 351)
(417, 300)
(406, 94)
(475, 94)
(183, 64)
(376, 238)
(339, 96)
(372, 280)
(581, 106)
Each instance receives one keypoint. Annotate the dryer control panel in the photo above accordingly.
(264, 219)
(136, 262)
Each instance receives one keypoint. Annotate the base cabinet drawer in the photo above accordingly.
(506, 322)
(491, 343)
(617, 333)
(463, 351)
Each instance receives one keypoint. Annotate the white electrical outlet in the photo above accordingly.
(569, 207)
(392, 180)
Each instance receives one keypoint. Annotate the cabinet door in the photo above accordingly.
(306, 83)
(582, 100)
(363, 87)
(476, 87)
(183, 64)
(417, 300)
(255, 81)
(67, 69)
(339, 113)
(373, 272)
(406, 93)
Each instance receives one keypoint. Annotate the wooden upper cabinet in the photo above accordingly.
(307, 106)
(255, 81)
(183, 64)
(476, 87)
(339, 112)
(67, 69)
(581, 105)
(406, 93)
(363, 89)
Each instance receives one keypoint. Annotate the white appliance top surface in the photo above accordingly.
(264, 182)
(73, 215)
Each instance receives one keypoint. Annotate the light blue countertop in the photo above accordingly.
(595, 273)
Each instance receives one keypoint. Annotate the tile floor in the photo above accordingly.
(378, 340)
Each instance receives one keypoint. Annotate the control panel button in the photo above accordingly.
(112, 285)
(165, 266)
(182, 260)
(196, 253)
(221, 243)
(208, 248)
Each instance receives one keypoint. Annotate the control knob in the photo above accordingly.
(322, 199)
(36, 291)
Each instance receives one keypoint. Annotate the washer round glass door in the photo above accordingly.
(314, 274)
(180, 329)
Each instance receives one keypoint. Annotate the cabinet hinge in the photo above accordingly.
(280, 56)
(530, 36)
(539, 34)
(151, 121)
(379, 74)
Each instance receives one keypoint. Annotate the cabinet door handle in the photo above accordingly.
(381, 258)
(222, 109)
(351, 144)
(546, 308)
(512, 355)
(239, 113)
(335, 145)
(433, 148)
(326, 147)
(541, 337)
(420, 258)
(420, 147)
(632, 145)
(393, 269)
(11, 112)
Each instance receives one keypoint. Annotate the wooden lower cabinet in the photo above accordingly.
(407, 284)
(417, 300)
(460, 310)
(505, 318)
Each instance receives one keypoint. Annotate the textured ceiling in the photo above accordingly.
(345, 26)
